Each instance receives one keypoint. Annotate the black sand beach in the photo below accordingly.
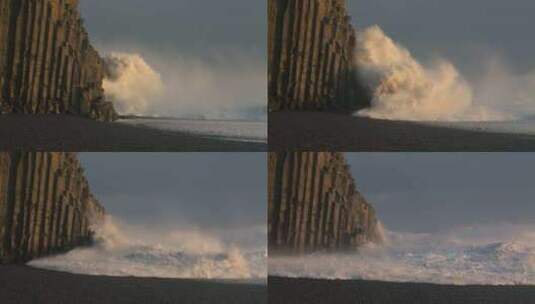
(309, 291)
(336, 132)
(22, 284)
(75, 134)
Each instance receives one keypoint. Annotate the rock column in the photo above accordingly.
(311, 46)
(45, 205)
(47, 64)
(313, 204)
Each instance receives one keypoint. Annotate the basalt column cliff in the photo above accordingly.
(45, 205)
(47, 64)
(311, 46)
(314, 205)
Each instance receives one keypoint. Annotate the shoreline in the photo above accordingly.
(134, 117)
(24, 284)
(76, 134)
(320, 291)
(142, 122)
(321, 131)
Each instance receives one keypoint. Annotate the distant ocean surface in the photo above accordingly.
(524, 126)
(238, 130)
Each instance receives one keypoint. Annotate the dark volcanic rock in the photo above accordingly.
(47, 64)
(45, 205)
(311, 49)
(313, 204)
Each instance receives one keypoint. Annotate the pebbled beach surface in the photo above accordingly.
(75, 134)
(313, 131)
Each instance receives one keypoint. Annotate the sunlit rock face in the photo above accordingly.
(45, 205)
(47, 64)
(314, 204)
(311, 49)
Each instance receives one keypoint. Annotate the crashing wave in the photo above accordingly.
(196, 256)
(405, 89)
(503, 255)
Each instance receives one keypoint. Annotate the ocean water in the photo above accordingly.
(496, 255)
(238, 130)
(179, 254)
(522, 126)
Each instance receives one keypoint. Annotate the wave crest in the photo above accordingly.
(497, 255)
(404, 89)
(131, 83)
(180, 254)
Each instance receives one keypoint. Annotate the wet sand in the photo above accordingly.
(75, 134)
(22, 284)
(309, 291)
(344, 133)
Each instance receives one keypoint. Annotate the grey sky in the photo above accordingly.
(211, 55)
(189, 26)
(465, 32)
(208, 190)
(435, 191)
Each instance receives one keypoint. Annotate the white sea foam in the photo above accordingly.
(132, 83)
(405, 89)
(224, 86)
(497, 255)
(123, 251)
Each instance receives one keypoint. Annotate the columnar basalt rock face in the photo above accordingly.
(314, 205)
(311, 49)
(47, 64)
(45, 205)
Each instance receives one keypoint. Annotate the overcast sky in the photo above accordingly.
(211, 55)
(435, 191)
(208, 190)
(463, 31)
(190, 26)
